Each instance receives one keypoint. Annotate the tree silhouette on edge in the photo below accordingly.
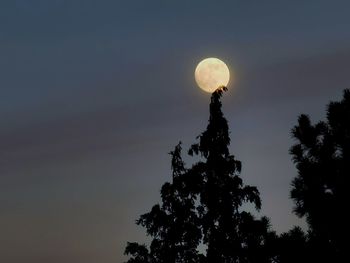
(201, 218)
(321, 188)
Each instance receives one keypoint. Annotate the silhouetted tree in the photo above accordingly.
(202, 207)
(321, 188)
(292, 247)
(173, 224)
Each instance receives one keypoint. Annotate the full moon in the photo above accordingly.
(211, 74)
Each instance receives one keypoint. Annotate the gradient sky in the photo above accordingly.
(94, 94)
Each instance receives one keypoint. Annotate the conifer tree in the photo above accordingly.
(202, 207)
(320, 190)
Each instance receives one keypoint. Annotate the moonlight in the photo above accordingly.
(211, 74)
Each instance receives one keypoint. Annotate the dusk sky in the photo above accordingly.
(94, 94)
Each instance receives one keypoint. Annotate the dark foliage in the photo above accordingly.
(202, 207)
(320, 191)
(292, 247)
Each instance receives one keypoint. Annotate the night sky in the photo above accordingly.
(94, 94)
